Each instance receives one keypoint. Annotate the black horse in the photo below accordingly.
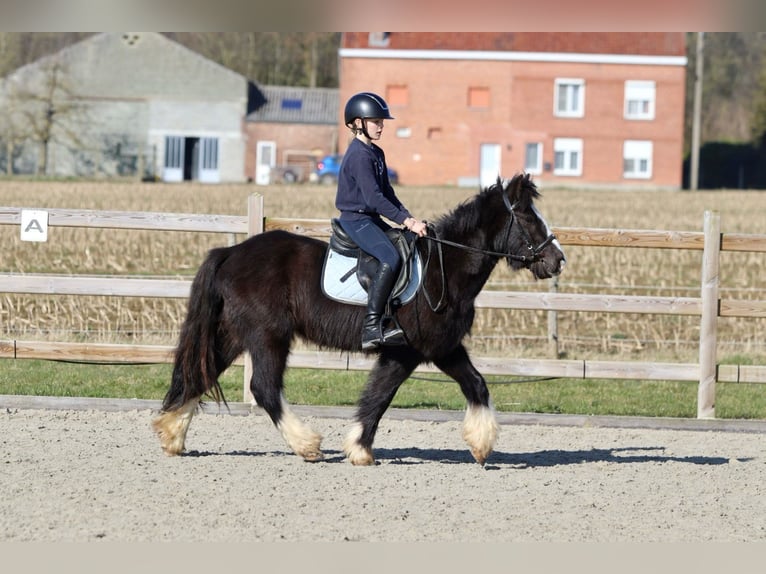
(258, 295)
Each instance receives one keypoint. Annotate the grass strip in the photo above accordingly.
(342, 388)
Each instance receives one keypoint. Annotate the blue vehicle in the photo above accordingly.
(328, 168)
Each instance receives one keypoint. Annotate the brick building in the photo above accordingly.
(573, 109)
(286, 135)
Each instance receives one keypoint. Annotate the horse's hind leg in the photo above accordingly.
(384, 380)
(267, 384)
(182, 400)
(480, 427)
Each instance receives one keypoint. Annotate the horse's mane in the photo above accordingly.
(467, 216)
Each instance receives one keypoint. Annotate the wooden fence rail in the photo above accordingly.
(709, 306)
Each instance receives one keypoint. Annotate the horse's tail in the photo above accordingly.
(195, 370)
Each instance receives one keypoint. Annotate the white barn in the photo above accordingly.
(133, 103)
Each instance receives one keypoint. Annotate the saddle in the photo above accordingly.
(348, 271)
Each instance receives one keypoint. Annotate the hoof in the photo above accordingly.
(313, 456)
(361, 457)
(301, 439)
(170, 443)
(356, 453)
(480, 431)
(480, 456)
(307, 446)
(171, 427)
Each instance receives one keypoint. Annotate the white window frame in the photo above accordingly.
(537, 167)
(640, 96)
(569, 98)
(637, 159)
(569, 150)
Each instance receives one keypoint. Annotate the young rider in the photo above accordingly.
(364, 195)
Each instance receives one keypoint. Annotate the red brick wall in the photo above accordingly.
(319, 139)
(644, 43)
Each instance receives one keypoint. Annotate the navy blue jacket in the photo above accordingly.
(363, 186)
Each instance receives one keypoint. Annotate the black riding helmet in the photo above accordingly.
(366, 105)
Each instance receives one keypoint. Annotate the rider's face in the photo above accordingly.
(374, 127)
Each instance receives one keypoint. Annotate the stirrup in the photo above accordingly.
(394, 339)
(394, 335)
(370, 344)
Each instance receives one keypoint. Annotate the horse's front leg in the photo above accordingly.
(390, 371)
(480, 427)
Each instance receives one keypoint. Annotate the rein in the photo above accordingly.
(533, 255)
(534, 252)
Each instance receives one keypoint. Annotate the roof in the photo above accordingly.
(630, 43)
(287, 104)
(139, 65)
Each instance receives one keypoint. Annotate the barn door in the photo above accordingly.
(489, 164)
(208, 160)
(173, 170)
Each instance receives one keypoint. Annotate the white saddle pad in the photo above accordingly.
(350, 290)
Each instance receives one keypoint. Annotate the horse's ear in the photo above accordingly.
(521, 190)
(513, 188)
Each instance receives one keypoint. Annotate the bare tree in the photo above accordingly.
(41, 107)
(277, 58)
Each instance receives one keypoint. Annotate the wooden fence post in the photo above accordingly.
(255, 218)
(708, 324)
(553, 323)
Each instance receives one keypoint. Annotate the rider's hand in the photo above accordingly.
(416, 226)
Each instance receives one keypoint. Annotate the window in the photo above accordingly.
(291, 104)
(397, 96)
(567, 156)
(637, 159)
(569, 98)
(533, 158)
(639, 100)
(478, 97)
(379, 39)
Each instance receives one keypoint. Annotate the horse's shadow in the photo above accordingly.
(498, 460)
(546, 458)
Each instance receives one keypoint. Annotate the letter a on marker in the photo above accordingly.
(34, 225)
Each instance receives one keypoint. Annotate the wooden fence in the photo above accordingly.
(708, 306)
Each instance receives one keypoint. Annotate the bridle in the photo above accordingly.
(534, 253)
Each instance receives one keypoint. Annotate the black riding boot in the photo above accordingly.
(373, 332)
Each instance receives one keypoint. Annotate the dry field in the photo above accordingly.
(496, 333)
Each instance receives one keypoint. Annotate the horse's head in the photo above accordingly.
(528, 239)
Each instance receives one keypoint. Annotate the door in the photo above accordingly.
(489, 164)
(208, 161)
(191, 159)
(173, 169)
(265, 160)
